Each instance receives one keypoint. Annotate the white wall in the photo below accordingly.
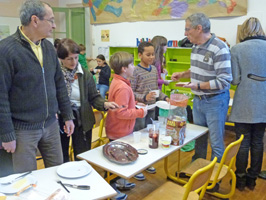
(125, 34)
(12, 22)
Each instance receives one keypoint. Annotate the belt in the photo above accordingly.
(206, 96)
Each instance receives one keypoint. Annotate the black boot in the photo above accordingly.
(251, 183)
(240, 183)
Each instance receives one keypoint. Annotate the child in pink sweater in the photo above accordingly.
(120, 122)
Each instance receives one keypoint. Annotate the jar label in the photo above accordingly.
(176, 128)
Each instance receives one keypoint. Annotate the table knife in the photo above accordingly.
(81, 187)
(17, 178)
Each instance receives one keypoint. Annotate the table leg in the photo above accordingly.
(110, 177)
(170, 176)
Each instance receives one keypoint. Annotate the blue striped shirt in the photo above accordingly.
(211, 62)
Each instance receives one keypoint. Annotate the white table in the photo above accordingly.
(46, 185)
(96, 157)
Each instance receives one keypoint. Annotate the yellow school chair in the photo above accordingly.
(71, 150)
(100, 117)
(220, 170)
(193, 190)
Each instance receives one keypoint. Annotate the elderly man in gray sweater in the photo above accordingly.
(32, 91)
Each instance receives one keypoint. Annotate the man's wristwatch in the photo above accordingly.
(198, 86)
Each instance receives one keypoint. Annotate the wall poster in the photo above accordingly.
(113, 11)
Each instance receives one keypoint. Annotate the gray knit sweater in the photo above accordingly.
(30, 95)
(249, 104)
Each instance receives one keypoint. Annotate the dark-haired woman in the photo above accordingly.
(83, 95)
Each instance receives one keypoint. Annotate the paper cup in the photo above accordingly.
(95, 71)
(166, 141)
(137, 136)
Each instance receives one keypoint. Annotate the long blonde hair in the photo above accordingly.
(250, 28)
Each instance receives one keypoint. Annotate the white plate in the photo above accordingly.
(149, 107)
(181, 84)
(18, 185)
(164, 105)
(75, 169)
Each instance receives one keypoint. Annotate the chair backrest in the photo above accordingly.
(229, 157)
(98, 128)
(199, 180)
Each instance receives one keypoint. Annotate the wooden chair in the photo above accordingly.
(220, 170)
(71, 150)
(100, 117)
(197, 184)
(232, 94)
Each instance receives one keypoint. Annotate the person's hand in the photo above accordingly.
(151, 96)
(177, 75)
(91, 69)
(69, 127)
(145, 109)
(193, 86)
(98, 70)
(166, 82)
(110, 105)
(141, 104)
(10, 147)
(165, 71)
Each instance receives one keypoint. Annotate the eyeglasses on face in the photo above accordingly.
(52, 21)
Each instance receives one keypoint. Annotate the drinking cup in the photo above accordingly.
(137, 136)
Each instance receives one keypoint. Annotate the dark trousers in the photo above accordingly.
(253, 142)
(6, 165)
(81, 140)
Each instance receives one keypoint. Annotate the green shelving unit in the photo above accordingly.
(131, 50)
(177, 60)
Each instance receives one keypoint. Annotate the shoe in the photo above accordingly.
(262, 174)
(182, 175)
(120, 195)
(251, 183)
(123, 184)
(215, 188)
(240, 183)
(139, 177)
(151, 170)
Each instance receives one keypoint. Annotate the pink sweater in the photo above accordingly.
(120, 122)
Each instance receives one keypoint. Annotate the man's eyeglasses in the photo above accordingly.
(52, 21)
(187, 29)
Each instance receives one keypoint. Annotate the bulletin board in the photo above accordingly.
(113, 11)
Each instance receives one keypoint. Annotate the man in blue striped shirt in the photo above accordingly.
(210, 74)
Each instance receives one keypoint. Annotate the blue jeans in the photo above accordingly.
(103, 89)
(211, 111)
(253, 141)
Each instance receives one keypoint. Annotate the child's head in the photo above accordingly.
(101, 60)
(146, 53)
(160, 46)
(56, 42)
(82, 49)
(120, 60)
